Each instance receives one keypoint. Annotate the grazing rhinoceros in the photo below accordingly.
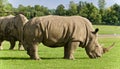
(11, 29)
(58, 31)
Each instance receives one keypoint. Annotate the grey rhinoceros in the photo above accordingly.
(62, 31)
(11, 29)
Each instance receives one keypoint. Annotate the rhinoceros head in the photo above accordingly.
(93, 48)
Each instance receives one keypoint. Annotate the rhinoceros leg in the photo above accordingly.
(20, 46)
(12, 44)
(32, 51)
(69, 50)
(1, 45)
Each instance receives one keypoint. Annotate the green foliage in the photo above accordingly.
(89, 11)
(101, 4)
(31, 12)
(116, 9)
(60, 10)
(72, 9)
(5, 6)
(111, 15)
(98, 16)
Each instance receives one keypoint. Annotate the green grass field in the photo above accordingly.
(107, 29)
(52, 58)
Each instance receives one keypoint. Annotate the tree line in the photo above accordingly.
(97, 15)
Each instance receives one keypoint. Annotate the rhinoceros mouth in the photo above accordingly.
(97, 55)
(94, 55)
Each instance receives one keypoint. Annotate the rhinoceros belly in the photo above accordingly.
(51, 43)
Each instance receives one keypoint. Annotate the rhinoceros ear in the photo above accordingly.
(96, 30)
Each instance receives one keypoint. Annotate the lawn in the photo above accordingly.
(107, 29)
(52, 58)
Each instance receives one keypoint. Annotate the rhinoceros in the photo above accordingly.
(11, 29)
(62, 31)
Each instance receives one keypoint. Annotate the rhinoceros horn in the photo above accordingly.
(107, 49)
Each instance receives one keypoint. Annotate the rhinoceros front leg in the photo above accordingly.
(20, 46)
(69, 50)
(32, 51)
(12, 44)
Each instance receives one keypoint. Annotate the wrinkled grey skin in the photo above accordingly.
(57, 31)
(93, 49)
(11, 29)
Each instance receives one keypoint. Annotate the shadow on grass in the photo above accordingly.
(23, 58)
(13, 58)
(52, 58)
(42, 58)
(12, 50)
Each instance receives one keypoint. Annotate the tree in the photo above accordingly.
(116, 8)
(72, 9)
(109, 18)
(37, 7)
(21, 8)
(45, 10)
(41, 10)
(52, 11)
(89, 11)
(112, 15)
(38, 11)
(80, 5)
(30, 12)
(101, 4)
(60, 10)
(5, 7)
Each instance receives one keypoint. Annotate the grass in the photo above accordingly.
(107, 29)
(52, 57)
